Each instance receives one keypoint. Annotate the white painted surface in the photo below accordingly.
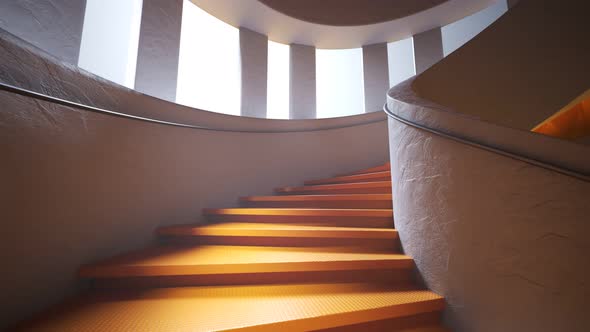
(254, 76)
(456, 34)
(279, 27)
(278, 81)
(400, 55)
(302, 82)
(209, 63)
(110, 39)
(340, 83)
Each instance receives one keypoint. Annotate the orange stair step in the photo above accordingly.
(382, 218)
(297, 307)
(267, 234)
(380, 168)
(348, 201)
(366, 177)
(378, 187)
(194, 261)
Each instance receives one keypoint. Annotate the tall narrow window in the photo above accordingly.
(110, 38)
(339, 82)
(400, 56)
(456, 34)
(209, 62)
(278, 81)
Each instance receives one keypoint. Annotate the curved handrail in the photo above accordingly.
(489, 148)
(68, 103)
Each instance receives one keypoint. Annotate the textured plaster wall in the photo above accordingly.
(522, 69)
(52, 25)
(376, 76)
(254, 61)
(505, 242)
(159, 44)
(78, 186)
(302, 87)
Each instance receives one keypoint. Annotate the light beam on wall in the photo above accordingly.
(401, 63)
(339, 82)
(278, 81)
(110, 39)
(209, 62)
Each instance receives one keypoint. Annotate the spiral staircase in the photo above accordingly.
(320, 257)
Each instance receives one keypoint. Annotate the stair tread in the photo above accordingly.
(300, 212)
(262, 308)
(366, 177)
(219, 259)
(283, 230)
(376, 187)
(335, 197)
(380, 168)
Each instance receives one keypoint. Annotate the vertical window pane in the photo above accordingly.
(209, 62)
(339, 82)
(456, 34)
(110, 38)
(278, 81)
(400, 56)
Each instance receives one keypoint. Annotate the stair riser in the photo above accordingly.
(379, 190)
(388, 204)
(369, 222)
(381, 168)
(379, 178)
(355, 244)
(401, 278)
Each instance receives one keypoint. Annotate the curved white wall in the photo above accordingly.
(78, 186)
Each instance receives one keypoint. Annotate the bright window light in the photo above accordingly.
(339, 82)
(456, 34)
(400, 58)
(277, 102)
(209, 62)
(110, 39)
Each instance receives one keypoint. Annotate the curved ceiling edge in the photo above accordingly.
(350, 12)
(254, 15)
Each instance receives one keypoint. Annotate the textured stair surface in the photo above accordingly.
(377, 187)
(347, 201)
(303, 307)
(380, 168)
(267, 234)
(204, 260)
(320, 257)
(366, 177)
(332, 217)
(278, 230)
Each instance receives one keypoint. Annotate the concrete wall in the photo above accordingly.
(526, 66)
(159, 44)
(78, 186)
(505, 242)
(376, 76)
(428, 49)
(254, 69)
(302, 87)
(52, 25)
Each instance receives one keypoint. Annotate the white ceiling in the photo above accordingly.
(282, 28)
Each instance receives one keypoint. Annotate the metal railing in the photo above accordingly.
(503, 152)
(68, 103)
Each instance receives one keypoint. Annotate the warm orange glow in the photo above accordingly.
(572, 122)
(307, 268)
